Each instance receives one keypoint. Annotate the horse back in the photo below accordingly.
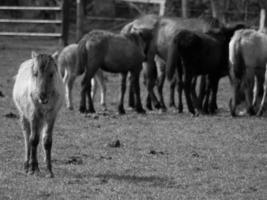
(122, 53)
(251, 45)
(167, 28)
(67, 59)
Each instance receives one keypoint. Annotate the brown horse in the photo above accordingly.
(162, 30)
(113, 53)
(195, 53)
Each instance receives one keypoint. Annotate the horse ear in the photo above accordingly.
(55, 55)
(34, 54)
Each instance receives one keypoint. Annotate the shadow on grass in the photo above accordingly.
(154, 181)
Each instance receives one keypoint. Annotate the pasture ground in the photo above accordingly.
(162, 155)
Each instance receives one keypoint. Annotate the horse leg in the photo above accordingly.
(69, 86)
(47, 145)
(258, 89)
(88, 89)
(101, 81)
(33, 142)
(233, 101)
(160, 84)
(68, 81)
(180, 87)
(123, 88)
(25, 125)
(93, 88)
(202, 90)
(131, 102)
(214, 88)
(249, 96)
(194, 95)
(172, 88)
(82, 108)
(135, 83)
(255, 91)
(187, 87)
(151, 75)
(260, 111)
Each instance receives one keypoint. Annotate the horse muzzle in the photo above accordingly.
(43, 99)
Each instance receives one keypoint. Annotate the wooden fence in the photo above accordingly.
(80, 13)
(63, 22)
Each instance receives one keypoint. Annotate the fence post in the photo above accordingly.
(65, 22)
(79, 19)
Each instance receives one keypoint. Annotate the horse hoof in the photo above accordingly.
(49, 175)
(259, 113)
(121, 111)
(140, 111)
(70, 107)
(180, 109)
(82, 110)
(163, 110)
(172, 105)
(90, 111)
(196, 114)
(26, 167)
(149, 106)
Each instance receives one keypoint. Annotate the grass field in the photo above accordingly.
(161, 156)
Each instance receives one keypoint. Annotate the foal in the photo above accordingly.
(69, 72)
(38, 94)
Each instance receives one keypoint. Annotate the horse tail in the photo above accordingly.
(81, 55)
(173, 59)
(61, 69)
(237, 64)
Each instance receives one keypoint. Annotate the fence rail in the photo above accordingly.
(63, 21)
(31, 34)
(56, 8)
(31, 21)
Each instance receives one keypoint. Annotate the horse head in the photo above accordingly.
(44, 70)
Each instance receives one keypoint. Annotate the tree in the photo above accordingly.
(217, 9)
(184, 9)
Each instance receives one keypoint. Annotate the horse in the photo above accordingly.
(248, 65)
(114, 53)
(67, 67)
(195, 53)
(38, 94)
(162, 31)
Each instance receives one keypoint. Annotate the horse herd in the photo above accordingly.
(182, 49)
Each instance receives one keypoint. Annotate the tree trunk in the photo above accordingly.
(263, 5)
(184, 9)
(217, 10)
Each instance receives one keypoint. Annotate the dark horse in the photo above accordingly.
(163, 29)
(195, 53)
(113, 53)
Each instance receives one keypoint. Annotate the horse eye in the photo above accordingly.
(35, 74)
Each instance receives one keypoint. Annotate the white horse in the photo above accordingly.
(248, 64)
(38, 94)
(67, 67)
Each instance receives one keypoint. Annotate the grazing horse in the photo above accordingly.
(163, 29)
(38, 94)
(69, 72)
(195, 53)
(248, 62)
(113, 53)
